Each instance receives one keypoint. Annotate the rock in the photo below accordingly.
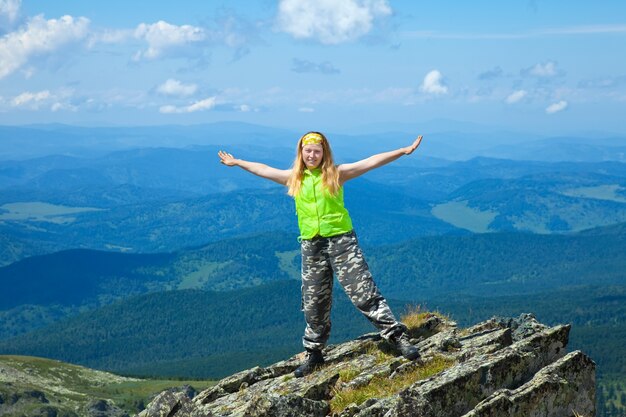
(169, 403)
(286, 406)
(45, 412)
(103, 408)
(523, 326)
(500, 367)
(559, 389)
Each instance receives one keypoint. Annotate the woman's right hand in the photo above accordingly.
(227, 159)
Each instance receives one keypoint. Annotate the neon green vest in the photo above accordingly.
(318, 212)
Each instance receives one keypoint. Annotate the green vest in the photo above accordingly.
(319, 213)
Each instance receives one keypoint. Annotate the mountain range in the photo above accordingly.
(133, 250)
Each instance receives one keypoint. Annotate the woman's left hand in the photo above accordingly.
(409, 149)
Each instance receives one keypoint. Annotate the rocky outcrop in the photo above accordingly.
(501, 367)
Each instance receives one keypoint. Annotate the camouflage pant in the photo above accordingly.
(342, 255)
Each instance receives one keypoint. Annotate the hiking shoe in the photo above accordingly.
(405, 347)
(313, 361)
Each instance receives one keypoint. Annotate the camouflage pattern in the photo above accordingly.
(321, 256)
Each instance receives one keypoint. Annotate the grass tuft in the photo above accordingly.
(380, 351)
(381, 387)
(348, 374)
(415, 318)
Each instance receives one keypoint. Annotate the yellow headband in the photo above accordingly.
(312, 139)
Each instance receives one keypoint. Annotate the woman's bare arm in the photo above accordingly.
(353, 170)
(265, 171)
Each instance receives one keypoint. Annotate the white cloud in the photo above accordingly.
(330, 21)
(516, 96)
(58, 106)
(206, 104)
(9, 10)
(162, 36)
(173, 87)
(28, 99)
(432, 83)
(55, 101)
(39, 37)
(556, 107)
(306, 110)
(543, 70)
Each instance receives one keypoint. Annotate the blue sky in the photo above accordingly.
(553, 66)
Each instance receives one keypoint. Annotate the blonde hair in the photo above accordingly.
(330, 173)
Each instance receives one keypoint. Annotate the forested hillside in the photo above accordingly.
(194, 333)
(486, 264)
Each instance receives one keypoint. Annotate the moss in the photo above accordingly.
(381, 387)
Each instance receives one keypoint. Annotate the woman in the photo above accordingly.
(329, 243)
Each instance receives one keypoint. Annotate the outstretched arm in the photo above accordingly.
(265, 171)
(353, 170)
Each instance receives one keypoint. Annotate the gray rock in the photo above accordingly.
(499, 365)
(169, 403)
(286, 406)
(103, 408)
(36, 395)
(559, 389)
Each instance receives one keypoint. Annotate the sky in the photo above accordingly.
(556, 66)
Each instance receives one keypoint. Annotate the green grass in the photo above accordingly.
(128, 395)
(382, 387)
(348, 374)
(600, 192)
(381, 355)
(459, 214)
(286, 263)
(198, 278)
(36, 211)
(69, 387)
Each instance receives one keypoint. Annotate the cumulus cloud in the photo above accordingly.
(330, 21)
(39, 37)
(556, 107)
(543, 70)
(206, 104)
(516, 96)
(432, 83)
(162, 36)
(303, 66)
(173, 87)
